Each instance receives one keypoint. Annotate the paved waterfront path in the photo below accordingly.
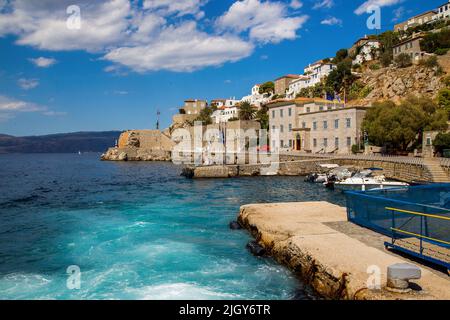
(315, 240)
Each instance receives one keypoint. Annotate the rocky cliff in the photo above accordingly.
(395, 84)
(141, 145)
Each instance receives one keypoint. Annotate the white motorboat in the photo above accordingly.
(364, 181)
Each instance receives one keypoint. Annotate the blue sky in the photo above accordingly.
(128, 59)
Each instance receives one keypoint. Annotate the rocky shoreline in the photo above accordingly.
(135, 154)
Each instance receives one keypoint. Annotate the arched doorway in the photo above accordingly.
(298, 142)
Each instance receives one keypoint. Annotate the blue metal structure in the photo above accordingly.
(417, 219)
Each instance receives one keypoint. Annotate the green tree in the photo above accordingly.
(246, 111)
(399, 126)
(263, 117)
(268, 87)
(355, 149)
(387, 39)
(205, 116)
(403, 60)
(341, 55)
(341, 78)
(432, 42)
(441, 142)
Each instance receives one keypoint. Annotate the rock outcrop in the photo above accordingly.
(141, 145)
(395, 84)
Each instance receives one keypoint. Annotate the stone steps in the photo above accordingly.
(436, 172)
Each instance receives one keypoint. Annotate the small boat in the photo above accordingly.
(316, 178)
(79, 152)
(335, 173)
(364, 181)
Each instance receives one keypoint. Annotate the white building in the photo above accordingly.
(256, 99)
(317, 71)
(232, 102)
(223, 114)
(219, 103)
(297, 85)
(443, 11)
(314, 73)
(367, 51)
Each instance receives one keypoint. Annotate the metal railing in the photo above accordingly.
(423, 235)
(445, 163)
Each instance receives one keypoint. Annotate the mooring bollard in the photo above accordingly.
(399, 275)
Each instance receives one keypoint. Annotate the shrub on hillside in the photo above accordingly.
(446, 81)
(403, 60)
(386, 59)
(441, 52)
(436, 41)
(443, 100)
(359, 91)
(430, 62)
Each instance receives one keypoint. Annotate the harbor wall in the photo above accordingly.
(407, 172)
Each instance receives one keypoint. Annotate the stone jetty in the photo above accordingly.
(337, 258)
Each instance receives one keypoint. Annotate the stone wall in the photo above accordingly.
(393, 170)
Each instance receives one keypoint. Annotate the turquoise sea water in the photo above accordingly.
(135, 230)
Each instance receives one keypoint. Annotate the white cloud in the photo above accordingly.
(284, 29)
(28, 84)
(379, 3)
(182, 48)
(398, 14)
(43, 62)
(42, 24)
(265, 21)
(151, 34)
(54, 113)
(296, 4)
(178, 8)
(332, 21)
(323, 4)
(120, 92)
(11, 107)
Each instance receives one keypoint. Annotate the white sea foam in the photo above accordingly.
(18, 285)
(179, 291)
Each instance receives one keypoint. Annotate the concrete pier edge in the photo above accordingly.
(334, 264)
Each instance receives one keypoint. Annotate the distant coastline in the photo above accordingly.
(59, 143)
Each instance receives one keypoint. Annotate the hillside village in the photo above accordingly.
(336, 105)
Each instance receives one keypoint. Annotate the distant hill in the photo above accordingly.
(59, 143)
